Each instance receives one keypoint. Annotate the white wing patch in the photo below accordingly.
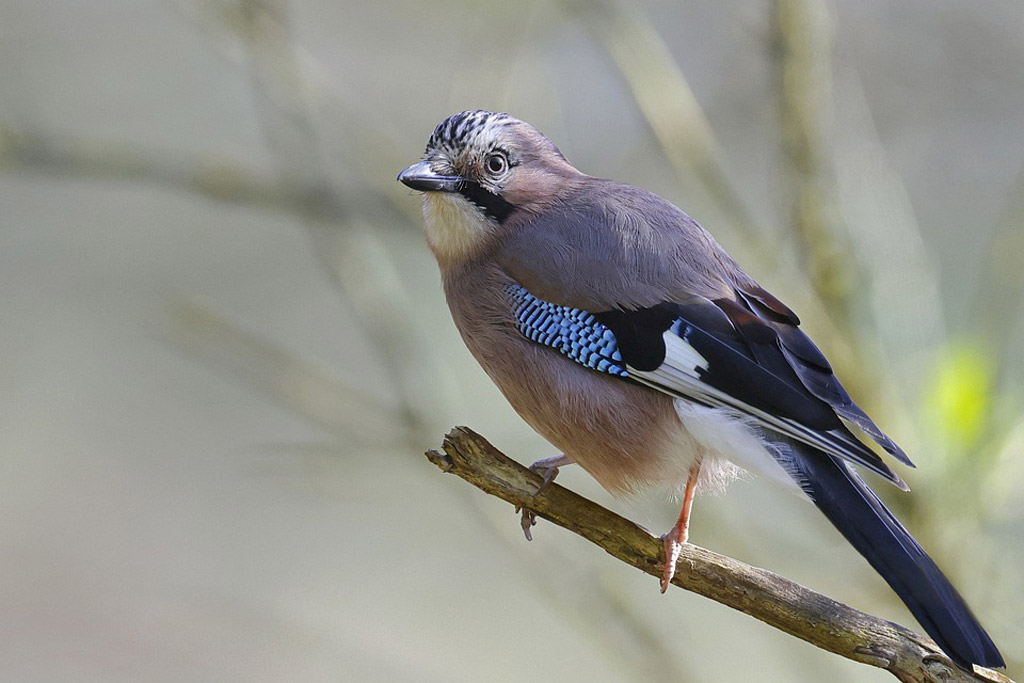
(679, 354)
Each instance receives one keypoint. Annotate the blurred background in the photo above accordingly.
(225, 345)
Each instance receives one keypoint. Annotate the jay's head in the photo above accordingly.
(482, 171)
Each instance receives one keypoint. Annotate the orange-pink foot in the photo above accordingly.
(676, 537)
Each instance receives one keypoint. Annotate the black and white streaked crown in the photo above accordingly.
(460, 130)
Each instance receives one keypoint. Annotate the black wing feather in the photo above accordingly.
(745, 365)
(738, 368)
(808, 363)
(872, 529)
(640, 334)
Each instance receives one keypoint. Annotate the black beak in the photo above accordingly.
(421, 177)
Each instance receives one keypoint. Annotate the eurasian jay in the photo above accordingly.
(621, 331)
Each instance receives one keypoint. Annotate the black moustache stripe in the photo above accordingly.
(493, 205)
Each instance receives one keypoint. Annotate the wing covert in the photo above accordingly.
(697, 352)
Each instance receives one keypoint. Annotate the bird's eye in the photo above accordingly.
(497, 164)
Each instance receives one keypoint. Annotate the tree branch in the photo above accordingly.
(789, 607)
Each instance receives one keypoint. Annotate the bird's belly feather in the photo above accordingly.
(628, 437)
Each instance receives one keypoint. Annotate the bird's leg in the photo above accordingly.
(547, 468)
(677, 536)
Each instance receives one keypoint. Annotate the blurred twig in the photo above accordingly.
(381, 301)
(664, 96)
(902, 282)
(217, 179)
(815, 618)
(803, 70)
(335, 408)
(992, 298)
(342, 242)
(371, 157)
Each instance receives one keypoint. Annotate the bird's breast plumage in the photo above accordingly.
(627, 436)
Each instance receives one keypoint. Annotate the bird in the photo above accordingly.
(621, 331)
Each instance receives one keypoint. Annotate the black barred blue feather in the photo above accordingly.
(572, 332)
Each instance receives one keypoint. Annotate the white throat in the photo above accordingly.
(454, 225)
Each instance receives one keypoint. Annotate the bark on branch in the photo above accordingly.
(787, 606)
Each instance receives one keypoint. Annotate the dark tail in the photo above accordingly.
(867, 524)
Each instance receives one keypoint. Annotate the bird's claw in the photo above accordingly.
(673, 541)
(672, 550)
(547, 472)
(527, 519)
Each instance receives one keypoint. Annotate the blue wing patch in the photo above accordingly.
(576, 334)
